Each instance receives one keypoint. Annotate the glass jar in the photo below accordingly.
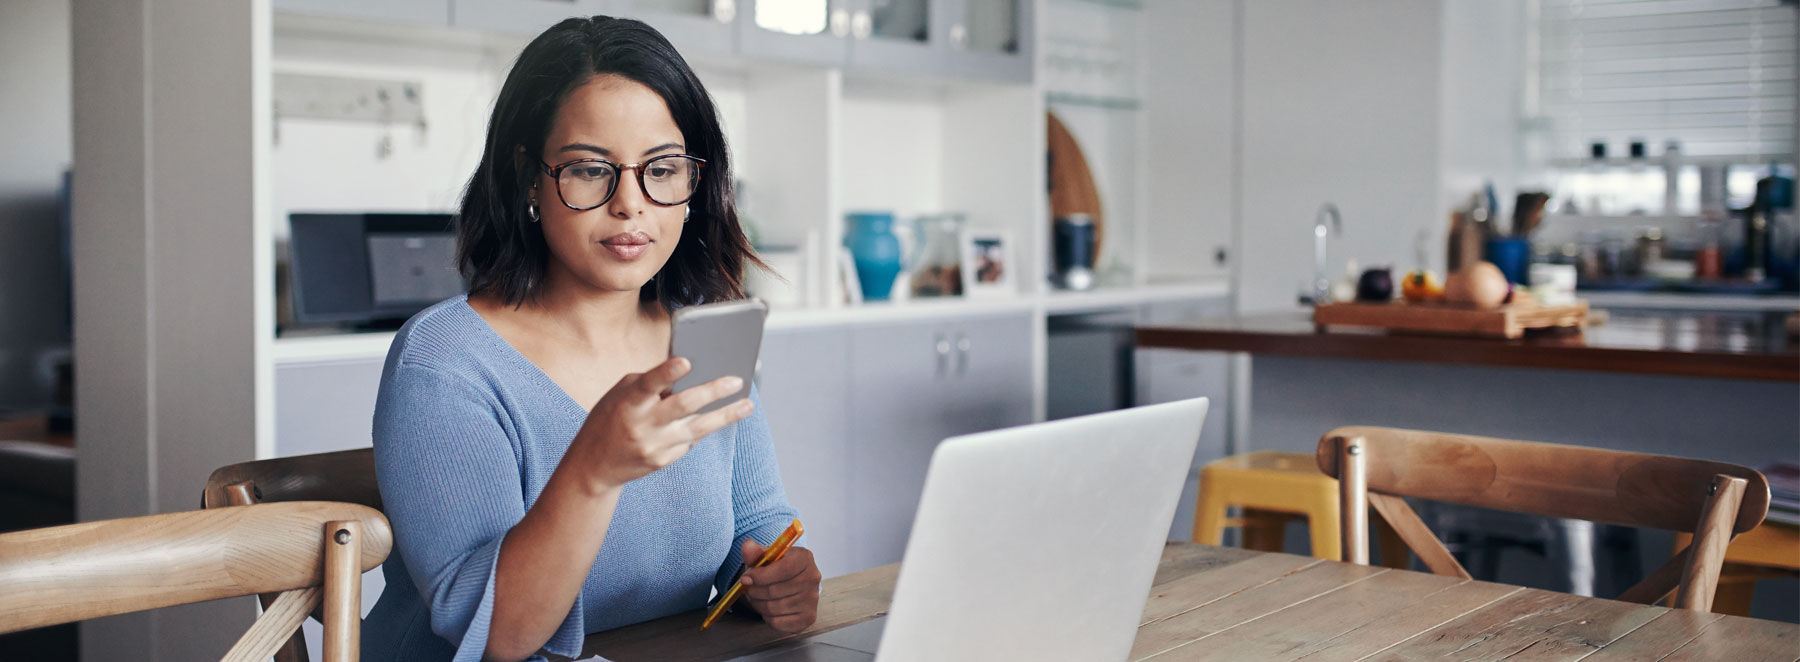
(937, 267)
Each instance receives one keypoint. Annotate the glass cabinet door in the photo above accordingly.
(989, 26)
(991, 39)
(809, 31)
(695, 27)
(897, 35)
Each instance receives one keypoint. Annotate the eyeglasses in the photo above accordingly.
(667, 180)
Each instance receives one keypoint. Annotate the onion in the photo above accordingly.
(1480, 285)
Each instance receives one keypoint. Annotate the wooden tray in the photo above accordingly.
(1508, 321)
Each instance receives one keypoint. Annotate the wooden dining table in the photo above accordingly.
(1224, 603)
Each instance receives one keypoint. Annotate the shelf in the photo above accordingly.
(1092, 101)
(1064, 303)
(1134, 5)
(367, 346)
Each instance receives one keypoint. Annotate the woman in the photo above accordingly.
(542, 482)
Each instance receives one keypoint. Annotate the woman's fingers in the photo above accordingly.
(685, 403)
(656, 381)
(704, 424)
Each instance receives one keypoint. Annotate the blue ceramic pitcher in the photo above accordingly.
(876, 252)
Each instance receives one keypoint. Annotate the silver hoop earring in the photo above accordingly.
(532, 210)
(686, 214)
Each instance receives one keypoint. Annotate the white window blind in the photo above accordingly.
(1717, 76)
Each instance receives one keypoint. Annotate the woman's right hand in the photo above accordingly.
(639, 427)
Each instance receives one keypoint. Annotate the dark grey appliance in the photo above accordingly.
(372, 270)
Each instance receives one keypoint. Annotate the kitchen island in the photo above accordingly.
(1721, 386)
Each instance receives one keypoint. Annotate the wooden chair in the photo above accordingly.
(346, 476)
(1712, 500)
(303, 551)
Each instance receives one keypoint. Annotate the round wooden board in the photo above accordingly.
(1072, 189)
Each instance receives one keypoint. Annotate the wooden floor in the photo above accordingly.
(1214, 603)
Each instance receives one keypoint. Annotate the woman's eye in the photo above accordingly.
(593, 173)
(661, 172)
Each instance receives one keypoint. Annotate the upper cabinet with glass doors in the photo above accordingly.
(975, 39)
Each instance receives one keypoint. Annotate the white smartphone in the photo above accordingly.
(718, 339)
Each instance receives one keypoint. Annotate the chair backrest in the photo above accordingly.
(347, 476)
(306, 551)
(1714, 500)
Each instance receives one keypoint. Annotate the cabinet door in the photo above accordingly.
(417, 12)
(991, 374)
(526, 17)
(803, 31)
(992, 39)
(803, 380)
(903, 36)
(325, 406)
(695, 27)
(899, 392)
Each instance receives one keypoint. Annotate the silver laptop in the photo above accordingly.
(1031, 543)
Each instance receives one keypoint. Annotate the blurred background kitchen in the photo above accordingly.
(215, 212)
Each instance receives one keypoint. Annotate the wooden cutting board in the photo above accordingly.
(1072, 189)
(1509, 321)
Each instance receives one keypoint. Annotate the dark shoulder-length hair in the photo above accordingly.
(501, 252)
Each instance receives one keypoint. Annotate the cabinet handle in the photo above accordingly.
(861, 26)
(724, 11)
(943, 355)
(840, 22)
(962, 354)
(959, 36)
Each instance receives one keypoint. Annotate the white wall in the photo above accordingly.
(1340, 104)
(323, 165)
(34, 149)
(1480, 105)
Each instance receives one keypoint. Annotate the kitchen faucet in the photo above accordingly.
(1321, 290)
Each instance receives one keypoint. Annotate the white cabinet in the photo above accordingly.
(912, 385)
(813, 32)
(416, 12)
(525, 17)
(695, 27)
(802, 380)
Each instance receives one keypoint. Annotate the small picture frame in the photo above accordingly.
(851, 287)
(987, 263)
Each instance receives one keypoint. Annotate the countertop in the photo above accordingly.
(1690, 344)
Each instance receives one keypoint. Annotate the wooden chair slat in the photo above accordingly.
(272, 630)
(1417, 536)
(89, 570)
(1615, 487)
(347, 476)
(1660, 582)
(1700, 575)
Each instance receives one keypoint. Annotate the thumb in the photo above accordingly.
(752, 551)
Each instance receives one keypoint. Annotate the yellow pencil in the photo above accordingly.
(770, 555)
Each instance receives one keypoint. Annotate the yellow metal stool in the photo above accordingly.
(1272, 488)
(1770, 551)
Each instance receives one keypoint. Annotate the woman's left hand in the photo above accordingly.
(785, 592)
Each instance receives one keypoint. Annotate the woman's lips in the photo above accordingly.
(627, 245)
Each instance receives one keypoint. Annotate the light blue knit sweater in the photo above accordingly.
(467, 433)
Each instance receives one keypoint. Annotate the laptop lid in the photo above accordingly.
(1040, 542)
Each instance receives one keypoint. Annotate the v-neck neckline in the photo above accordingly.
(531, 368)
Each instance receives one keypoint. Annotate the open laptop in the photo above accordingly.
(1031, 543)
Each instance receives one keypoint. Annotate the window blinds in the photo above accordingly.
(1717, 76)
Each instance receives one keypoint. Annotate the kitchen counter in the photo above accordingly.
(1752, 346)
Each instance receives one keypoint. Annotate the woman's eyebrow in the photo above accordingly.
(665, 147)
(584, 147)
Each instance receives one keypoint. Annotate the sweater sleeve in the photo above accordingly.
(758, 500)
(450, 486)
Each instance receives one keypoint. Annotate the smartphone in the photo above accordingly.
(718, 339)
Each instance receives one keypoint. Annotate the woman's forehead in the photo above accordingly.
(616, 114)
